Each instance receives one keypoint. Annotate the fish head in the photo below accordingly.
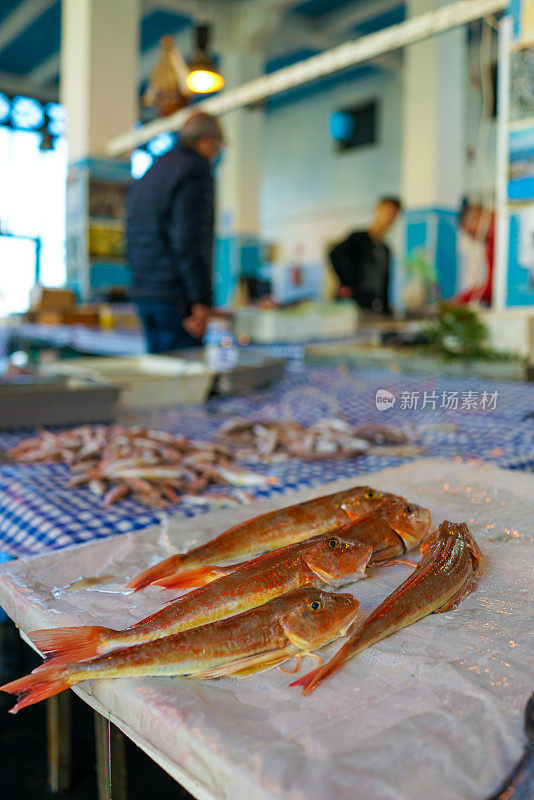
(459, 532)
(409, 521)
(316, 617)
(362, 500)
(336, 560)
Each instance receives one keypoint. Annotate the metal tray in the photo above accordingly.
(32, 402)
(253, 371)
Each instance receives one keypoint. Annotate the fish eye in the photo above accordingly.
(409, 509)
(316, 605)
(370, 494)
(333, 543)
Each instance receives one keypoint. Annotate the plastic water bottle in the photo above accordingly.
(221, 351)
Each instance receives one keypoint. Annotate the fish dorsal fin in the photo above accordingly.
(270, 554)
(255, 560)
(352, 519)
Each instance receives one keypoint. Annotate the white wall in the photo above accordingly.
(312, 195)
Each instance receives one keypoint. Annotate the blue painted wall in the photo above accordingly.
(520, 286)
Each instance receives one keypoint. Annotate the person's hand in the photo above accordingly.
(344, 292)
(197, 322)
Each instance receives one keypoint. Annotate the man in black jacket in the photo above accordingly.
(169, 236)
(362, 260)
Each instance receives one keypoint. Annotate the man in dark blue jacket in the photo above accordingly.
(169, 237)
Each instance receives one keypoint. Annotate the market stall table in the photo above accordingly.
(79, 338)
(434, 710)
(38, 512)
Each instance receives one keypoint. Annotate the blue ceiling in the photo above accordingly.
(311, 8)
(316, 8)
(392, 17)
(6, 7)
(37, 43)
(41, 40)
(157, 24)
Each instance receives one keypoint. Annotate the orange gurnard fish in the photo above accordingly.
(390, 531)
(323, 559)
(444, 576)
(270, 531)
(292, 625)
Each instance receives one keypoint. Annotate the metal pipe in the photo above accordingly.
(334, 60)
(500, 270)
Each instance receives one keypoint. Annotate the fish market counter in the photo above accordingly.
(38, 512)
(434, 710)
(79, 338)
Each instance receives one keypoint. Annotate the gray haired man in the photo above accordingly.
(169, 237)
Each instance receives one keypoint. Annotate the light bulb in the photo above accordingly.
(204, 81)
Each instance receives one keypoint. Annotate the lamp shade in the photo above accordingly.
(204, 76)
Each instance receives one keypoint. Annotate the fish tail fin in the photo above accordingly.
(43, 682)
(160, 570)
(312, 679)
(192, 578)
(63, 645)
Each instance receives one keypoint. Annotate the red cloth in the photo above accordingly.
(482, 293)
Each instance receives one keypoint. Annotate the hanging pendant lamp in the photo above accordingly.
(204, 76)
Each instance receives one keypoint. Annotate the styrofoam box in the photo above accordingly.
(145, 381)
(511, 330)
(304, 323)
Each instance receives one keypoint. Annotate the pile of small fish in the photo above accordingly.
(155, 467)
(274, 441)
(255, 615)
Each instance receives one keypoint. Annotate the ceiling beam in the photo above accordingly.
(299, 33)
(45, 72)
(195, 9)
(267, 6)
(21, 18)
(16, 84)
(389, 62)
(351, 16)
(359, 50)
(186, 8)
(271, 24)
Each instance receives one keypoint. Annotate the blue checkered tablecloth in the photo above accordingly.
(39, 513)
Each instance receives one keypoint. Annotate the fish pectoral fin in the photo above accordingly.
(396, 561)
(456, 598)
(265, 665)
(288, 671)
(298, 659)
(241, 667)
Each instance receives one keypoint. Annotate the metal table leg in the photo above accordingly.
(58, 741)
(110, 760)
